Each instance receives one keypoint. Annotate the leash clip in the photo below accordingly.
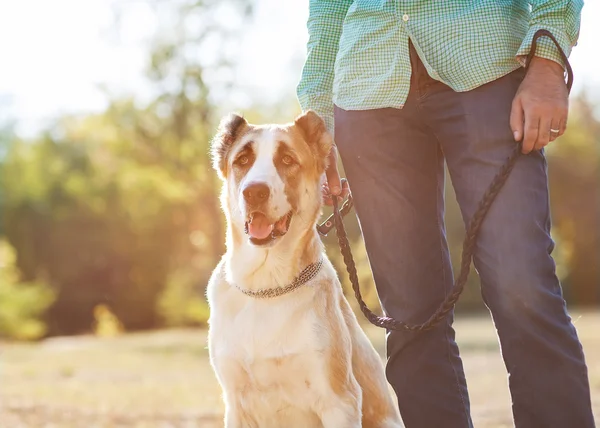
(325, 227)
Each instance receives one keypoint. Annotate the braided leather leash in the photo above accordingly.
(470, 239)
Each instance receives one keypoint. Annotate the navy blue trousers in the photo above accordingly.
(394, 161)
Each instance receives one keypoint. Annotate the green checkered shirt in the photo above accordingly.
(358, 50)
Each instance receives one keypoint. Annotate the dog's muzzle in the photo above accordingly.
(262, 232)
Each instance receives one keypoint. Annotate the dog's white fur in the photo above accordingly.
(300, 359)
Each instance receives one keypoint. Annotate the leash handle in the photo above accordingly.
(469, 243)
(546, 33)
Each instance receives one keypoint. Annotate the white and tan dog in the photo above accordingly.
(300, 358)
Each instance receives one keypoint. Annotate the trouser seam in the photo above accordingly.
(441, 246)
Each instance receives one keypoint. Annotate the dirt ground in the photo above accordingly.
(163, 379)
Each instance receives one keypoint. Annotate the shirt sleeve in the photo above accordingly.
(315, 89)
(562, 18)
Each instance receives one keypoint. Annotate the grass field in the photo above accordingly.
(163, 379)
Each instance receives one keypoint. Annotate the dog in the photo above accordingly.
(284, 343)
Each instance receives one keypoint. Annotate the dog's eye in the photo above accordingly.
(287, 160)
(242, 160)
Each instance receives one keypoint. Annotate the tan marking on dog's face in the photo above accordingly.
(231, 128)
(242, 160)
(312, 130)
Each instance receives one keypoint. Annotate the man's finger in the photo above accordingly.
(563, 124)
(554, 126)
(543, 137)
(532, 125)
(327, 195)
(345, 188)
(516, 119)
(333, 176)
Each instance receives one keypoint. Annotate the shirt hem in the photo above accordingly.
(398, 101)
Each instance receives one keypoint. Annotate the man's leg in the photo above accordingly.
(543, 356)
(395, 170)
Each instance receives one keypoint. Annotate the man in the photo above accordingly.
(411, 84)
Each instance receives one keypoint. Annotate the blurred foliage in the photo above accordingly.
(119, 211)
(182, 302)
(90, 211)
(574, 169)
(105, 205)
(106, 323)
(22, 304)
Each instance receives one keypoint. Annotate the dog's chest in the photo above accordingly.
(265, 329)
(273, 347)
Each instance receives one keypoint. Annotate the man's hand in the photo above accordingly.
(334, 185)
(540, 105)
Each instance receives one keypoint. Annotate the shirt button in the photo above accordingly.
(405, 17)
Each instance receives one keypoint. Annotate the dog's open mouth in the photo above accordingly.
(262, 232)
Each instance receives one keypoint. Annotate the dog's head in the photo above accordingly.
(272, 175)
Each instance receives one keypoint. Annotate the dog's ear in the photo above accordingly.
(313, 130)
(230, 128)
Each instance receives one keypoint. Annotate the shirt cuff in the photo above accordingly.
(545, 46)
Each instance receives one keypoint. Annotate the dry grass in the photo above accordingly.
(163, 379)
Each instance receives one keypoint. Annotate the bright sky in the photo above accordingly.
(56, 53)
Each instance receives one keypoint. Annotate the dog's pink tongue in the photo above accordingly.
(259, 227)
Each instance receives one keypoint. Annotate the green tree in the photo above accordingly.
(22, 305)
(105, 205)
(574, 174)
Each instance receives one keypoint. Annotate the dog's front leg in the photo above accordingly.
(233, 380)
(235, 417)
(341, 415)
(342, 410)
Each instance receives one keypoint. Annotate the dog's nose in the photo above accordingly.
(256, 193)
